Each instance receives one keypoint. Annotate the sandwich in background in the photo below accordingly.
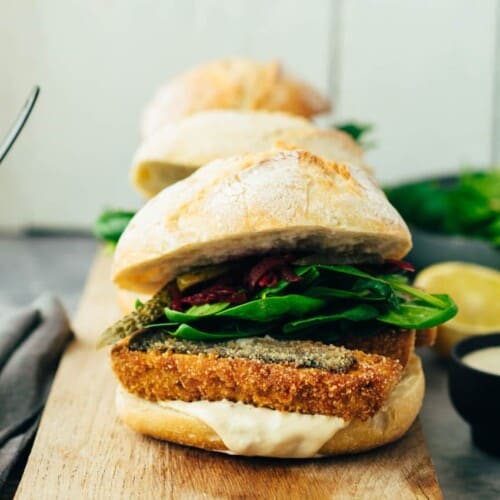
(238, 84)
(177, 150)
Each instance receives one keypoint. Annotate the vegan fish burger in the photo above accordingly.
(281, 322)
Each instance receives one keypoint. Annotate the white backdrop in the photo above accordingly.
(421, 71)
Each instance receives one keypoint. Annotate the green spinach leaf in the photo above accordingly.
(361, 312)
(357, 131)
(418, 314)
(222, 332)
(325, 303)
(110, 225)
(468, 205)
(274, 308)
(194, 313)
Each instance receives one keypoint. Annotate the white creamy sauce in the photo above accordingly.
(486, 360)
(252, 431)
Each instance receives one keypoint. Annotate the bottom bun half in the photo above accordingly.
(389, 424)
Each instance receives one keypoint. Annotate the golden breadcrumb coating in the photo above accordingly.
(425, 337)
(157, 375)
(393, 343)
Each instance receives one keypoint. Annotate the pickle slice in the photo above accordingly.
(148, 313)
(187, 280)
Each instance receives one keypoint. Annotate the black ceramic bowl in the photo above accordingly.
(476, 394)
(430, 248)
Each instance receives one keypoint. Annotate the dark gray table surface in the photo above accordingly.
(31, 265)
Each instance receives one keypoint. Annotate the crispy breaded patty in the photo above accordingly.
(159, 375)
(425, 337)
(393, 342)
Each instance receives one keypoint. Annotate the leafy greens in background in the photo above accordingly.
(324, 304)
(470, 206)
(110, 225)
(358, 132)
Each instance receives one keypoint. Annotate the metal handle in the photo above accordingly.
(18, 125)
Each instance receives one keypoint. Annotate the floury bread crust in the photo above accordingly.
(231, 84)
(256, 203)
(388, 424)
(176, 150)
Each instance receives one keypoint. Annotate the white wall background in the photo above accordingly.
(422, 71)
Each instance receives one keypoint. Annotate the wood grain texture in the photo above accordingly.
(83, 452)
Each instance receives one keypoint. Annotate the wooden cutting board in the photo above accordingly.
(83, 452)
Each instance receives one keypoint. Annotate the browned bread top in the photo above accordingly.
(231, 84)
(177, 150)
(256, 203)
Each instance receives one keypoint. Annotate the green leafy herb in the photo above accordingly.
(432, 299)
(223, 331)
(110, 225)
(360, 312)
(194, 313)
(469, 206)
(274, 308)
(325, 303)
(308, 275)
(357, 131)
(420, 314)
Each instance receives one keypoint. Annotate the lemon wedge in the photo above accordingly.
(476, 291)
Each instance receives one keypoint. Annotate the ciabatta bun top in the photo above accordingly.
(176, 150)
(231, 84)
(256, 203)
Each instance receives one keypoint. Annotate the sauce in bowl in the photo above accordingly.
(486, 360)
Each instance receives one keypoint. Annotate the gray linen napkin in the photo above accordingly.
(32, 340)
